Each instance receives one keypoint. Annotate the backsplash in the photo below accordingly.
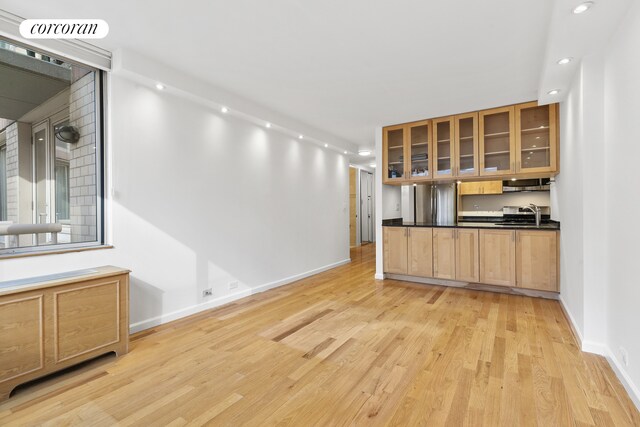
(495, 202)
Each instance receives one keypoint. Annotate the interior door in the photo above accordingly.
(366, 206)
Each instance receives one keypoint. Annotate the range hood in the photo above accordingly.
(526, 185)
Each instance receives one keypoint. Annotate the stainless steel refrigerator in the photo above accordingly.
(430, 203)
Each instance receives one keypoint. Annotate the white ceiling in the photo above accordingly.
(343, 66)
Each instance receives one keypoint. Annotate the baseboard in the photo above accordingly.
(188, 311)
(603, 350)
(621, 373)
(379, 276)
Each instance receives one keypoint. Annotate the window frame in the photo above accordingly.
(101, 89)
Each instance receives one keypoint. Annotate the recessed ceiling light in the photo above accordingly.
(582, 7)
(224, 109)
(415, 185)
(459, 182)
(554, 92)
(364, 152)
(268, 125)
(159, 86)
(300, 136)
(326, 145)
(345, 151)
(372, 165)
(564, 61)
(40, 139)
(513, 179)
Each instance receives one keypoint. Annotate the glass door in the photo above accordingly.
(536, 137)
(419, 150)
(497, 142)
(466, 146)
(393, 154)
(41, 177)
(443, 147)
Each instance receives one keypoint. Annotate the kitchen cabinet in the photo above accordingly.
(537, 260)
(420, 252)
(444, 253)
(498, 257)
(497, 141)
(466, 144)
(480, 187)
(443, 147)
(419, 149)
(395, 249)
(536, 138)
(467, 255)
(393, 154)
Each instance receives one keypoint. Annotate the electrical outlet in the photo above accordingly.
(625, 356)
(207, 292)
(233, 285)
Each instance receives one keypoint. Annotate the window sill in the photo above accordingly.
(56, 252)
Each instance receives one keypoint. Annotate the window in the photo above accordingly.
(50, 151)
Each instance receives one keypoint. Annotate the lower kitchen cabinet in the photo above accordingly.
(444, 253)
(420, 245)
(498, 257)
(537, 260)
(395, 249)
(467, 255)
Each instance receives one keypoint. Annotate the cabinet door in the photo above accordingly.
(498, 257)
(537, 260)
(393, 153)
(443, 153)
(485, 187)
(419, 156)
(497, 141)
(467, 257)
(420, 252)
(466, 144)
(536, 138)
(444, 253)
(395, 250)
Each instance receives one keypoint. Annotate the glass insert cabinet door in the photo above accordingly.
(466, 147)
(536, 137)
(497, 141)
(419, 150)
(394, 153)
(443, 130)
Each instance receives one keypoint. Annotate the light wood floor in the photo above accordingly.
(340, 348)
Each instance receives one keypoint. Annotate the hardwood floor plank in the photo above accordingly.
(341, 348)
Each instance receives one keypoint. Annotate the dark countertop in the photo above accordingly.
(547, 225)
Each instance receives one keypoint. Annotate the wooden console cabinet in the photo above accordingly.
(53, 322)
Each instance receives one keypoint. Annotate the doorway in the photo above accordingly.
(367, 232)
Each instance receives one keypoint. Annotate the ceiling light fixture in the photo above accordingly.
(300, 136)
(224, 109)
(326, 145)
(159, 86)
(372, 165)
(364, 152)
(583, 7)
(345, 151)
(565, 61)
(268, 125)
(554, 92)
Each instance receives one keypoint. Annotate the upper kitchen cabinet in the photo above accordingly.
(393, 152)
(497, 141)
(466, 144)
(536, 138)
(443, 147)
(419, 150)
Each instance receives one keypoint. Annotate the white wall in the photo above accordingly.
(622, 151)
(202, 199)
(595, 198)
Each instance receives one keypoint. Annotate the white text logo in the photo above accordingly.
(64, 29)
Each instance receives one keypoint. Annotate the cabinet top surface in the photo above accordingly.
(58, 279)
(550, 226)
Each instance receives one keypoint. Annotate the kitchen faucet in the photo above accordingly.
(536, 210)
